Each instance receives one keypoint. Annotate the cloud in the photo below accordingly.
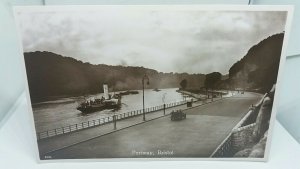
(168, 41)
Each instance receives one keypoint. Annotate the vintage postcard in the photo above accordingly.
(153, 82)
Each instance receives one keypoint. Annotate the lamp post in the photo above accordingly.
(163, 100)
(145, 77)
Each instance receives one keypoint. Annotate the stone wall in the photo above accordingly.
(251, 116)
(242, 137)
(224, 149)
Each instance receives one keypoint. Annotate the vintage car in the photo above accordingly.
(189, 102)
(177, 115)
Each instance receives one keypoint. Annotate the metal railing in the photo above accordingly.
(103, 121)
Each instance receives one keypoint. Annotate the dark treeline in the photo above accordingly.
(51, 75)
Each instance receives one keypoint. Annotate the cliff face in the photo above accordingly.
(51, 75)
(258, 69)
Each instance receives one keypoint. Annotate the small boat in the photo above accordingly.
(156, 89)
(128, 92)
(106, 102)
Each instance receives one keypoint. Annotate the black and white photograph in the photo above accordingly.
(152, 82)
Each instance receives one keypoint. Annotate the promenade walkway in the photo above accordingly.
(204, 129)
(61, 141)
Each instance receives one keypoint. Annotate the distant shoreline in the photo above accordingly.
(52, 99)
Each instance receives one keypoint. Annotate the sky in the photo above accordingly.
(191, 41)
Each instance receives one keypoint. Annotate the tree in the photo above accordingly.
(211, 79)
(183, 84)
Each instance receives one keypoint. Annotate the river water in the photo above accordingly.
(62, 112)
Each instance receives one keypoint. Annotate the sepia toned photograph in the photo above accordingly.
(152, 82)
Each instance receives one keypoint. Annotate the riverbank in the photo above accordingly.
(200, 94)
(193, 95)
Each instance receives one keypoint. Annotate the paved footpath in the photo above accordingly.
(61, 141)
(204, 129)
